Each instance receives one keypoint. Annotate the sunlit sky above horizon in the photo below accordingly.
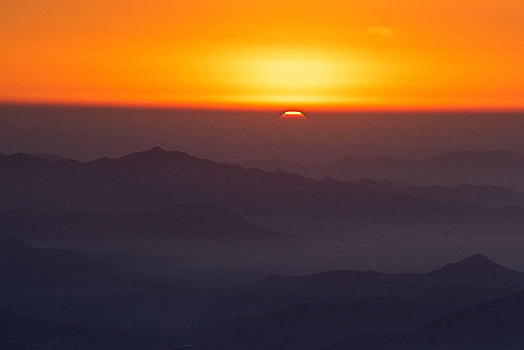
(285, 54)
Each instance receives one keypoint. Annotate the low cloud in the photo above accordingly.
(381, 31)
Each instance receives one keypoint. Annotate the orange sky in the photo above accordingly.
(272, 53)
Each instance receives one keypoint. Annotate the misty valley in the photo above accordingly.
(163, 250)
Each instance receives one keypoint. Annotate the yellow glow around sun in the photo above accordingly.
(288, 76)
(293, 74)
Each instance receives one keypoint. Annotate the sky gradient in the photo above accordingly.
(275, 54)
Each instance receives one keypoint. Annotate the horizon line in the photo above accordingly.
(276, 109)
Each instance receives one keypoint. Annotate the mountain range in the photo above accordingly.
(21, 333)
(497, 324)
(325, 308)
(50, 157)
(190, 221)
(344, 286)
(451, 306)
(157, 179)
(20, 261)
(501, 168)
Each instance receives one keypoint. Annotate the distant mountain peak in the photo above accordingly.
(476, 264)
(480, 155)
(344, 161)
(41, 156)
(330, 180)
(157, 153)
(451, 155)
(478, 260)
(156, 149)
(478, 257)
(24, 157)
(486, 151)
(150, 158)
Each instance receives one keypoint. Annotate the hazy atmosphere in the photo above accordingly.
(87, 133)
(261, 175)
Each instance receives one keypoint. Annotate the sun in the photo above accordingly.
(293, 115)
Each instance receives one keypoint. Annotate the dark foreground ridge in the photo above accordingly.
(498, 324)
(323, 307)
